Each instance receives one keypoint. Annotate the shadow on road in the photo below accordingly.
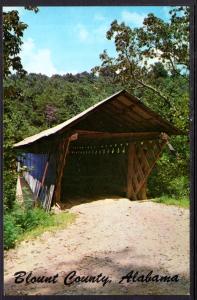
(110, 264)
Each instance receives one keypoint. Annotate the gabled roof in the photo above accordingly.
(121, 112)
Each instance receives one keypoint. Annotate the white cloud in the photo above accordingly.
(20, 9)
(134, 18)
(38, 60)
(28, 46)
(93, 34)
(83, 33)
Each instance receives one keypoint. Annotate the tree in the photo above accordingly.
(13, 30)
(152, 62)
(167, 42)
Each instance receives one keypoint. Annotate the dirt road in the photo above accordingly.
(112, 237)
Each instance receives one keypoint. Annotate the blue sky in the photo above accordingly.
(62, 40)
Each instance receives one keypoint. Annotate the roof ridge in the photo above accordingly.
(75, 119)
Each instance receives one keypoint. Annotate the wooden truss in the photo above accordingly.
(141, 160)
(142, 156)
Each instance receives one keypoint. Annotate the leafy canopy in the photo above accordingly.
(155, 41)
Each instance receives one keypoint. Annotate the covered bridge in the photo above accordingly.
(110, 148)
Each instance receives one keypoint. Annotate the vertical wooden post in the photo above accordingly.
(130, 171)
(61, 161)
(45, 171)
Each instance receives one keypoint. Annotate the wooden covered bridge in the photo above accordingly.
(109, 148)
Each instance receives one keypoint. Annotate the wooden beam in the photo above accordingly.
(144, 159)
(45, 172)
(41, 184)
(157, 155)
(140, 165)
(108, 135)
(142, 193)
(130, 172)
(61, 161)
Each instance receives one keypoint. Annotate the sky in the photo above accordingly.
(62, 40)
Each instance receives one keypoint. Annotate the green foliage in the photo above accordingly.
(30, 218)
(36, 102)
(170, 175)
(179, 187)
(9, 189)
(181, 202)
(14, 123)
(15, 127)
(11, 231)
(167, 42)
(51, 223)
(44, 102)
(12, 33)
(13, 30)
(21, 222)
(162, 86)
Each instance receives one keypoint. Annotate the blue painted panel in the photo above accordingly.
(51, 172)
(35, 163)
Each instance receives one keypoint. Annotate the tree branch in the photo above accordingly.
(172, 64)
(154, 90)
(145, 85)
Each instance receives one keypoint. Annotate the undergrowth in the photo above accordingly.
(22, 223)
(182, 201)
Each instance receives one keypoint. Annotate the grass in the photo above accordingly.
(182, 202)
(48, 221)
(24, 222)
(52, 223)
